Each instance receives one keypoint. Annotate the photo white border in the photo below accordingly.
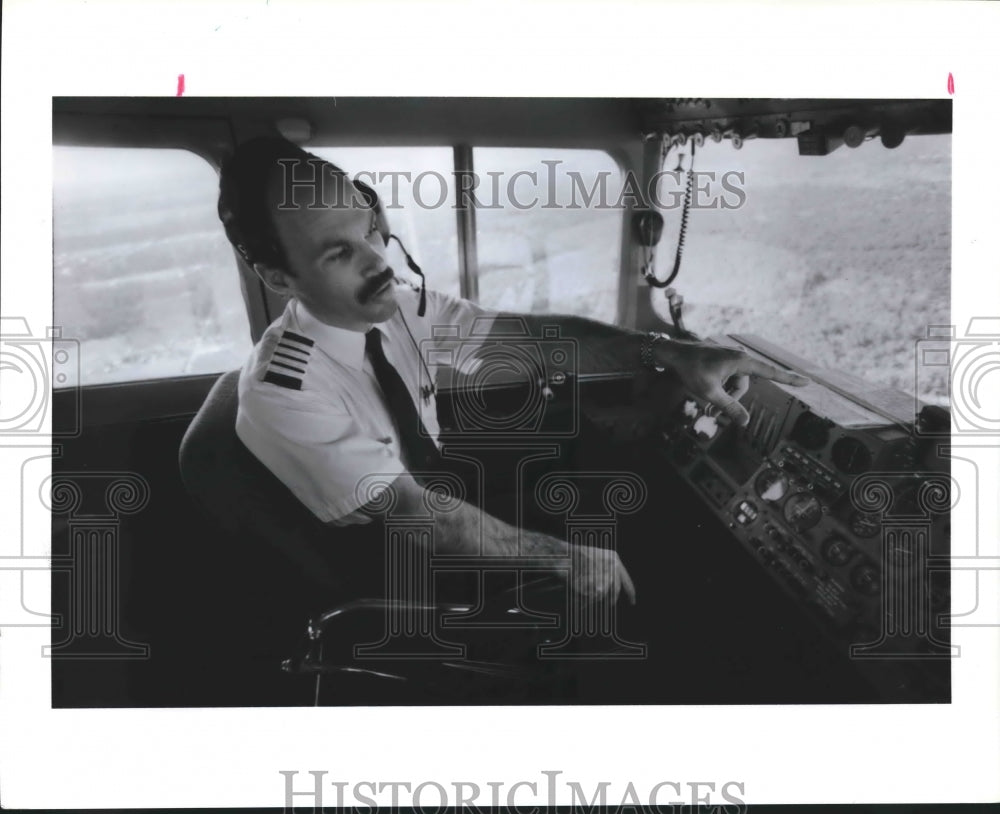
(231, 757)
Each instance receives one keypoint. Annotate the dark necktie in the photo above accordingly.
(419, 451)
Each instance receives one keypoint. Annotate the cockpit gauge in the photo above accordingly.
(850, 456)
(772, 485)
(810, 431)
(865, 525)
(866, 579)
(803, 511)
(836, 551)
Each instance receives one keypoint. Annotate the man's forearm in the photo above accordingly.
(467, 529)
(715, 373)
(602, 348)
(462, 528)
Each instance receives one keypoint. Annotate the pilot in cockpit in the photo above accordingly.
(336, 389)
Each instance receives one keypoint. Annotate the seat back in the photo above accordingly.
(262, 521)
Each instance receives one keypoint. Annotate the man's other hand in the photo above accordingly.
(718, 374)
(597, 574)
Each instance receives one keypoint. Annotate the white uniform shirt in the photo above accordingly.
(311, 410)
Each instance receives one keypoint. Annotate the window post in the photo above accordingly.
(465, 210)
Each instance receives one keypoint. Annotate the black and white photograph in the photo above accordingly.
(647, 443)
(506, 401)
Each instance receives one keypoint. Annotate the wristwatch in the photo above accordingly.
(646, 350)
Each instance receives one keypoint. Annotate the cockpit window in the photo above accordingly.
(144, 277)
(548, 230)
(844, 258)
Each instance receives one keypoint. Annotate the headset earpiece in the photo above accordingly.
(372, 202)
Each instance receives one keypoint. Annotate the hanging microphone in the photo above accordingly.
(422, 307)
(428, 390)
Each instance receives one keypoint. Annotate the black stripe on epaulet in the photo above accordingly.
(280, 379)
(288, 361)
(294, 337)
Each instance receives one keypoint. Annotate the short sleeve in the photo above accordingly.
(445, 310)
(317, 450)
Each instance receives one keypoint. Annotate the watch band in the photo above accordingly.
(646, 350)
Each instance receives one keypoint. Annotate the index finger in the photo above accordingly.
(755, 367)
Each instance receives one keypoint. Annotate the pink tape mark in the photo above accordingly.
(951, 84)
(180, 84)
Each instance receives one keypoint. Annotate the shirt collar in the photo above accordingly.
(340, 344)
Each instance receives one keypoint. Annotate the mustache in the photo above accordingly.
(371, 287)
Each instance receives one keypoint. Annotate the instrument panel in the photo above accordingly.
(838, 500)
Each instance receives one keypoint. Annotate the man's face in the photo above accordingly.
(335, 253)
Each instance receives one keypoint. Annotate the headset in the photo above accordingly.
(382, 224)
(229, 217)
(428, 390)
(272, 148)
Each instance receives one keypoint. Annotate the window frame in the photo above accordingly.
(140, 400)
(212, 138)
(624, 161)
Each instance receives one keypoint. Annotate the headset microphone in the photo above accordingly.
(422, 308)
(372, 201)
(428, 390)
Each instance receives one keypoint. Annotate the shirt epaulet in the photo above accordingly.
(289, 358)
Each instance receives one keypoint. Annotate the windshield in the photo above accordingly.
(843, 259)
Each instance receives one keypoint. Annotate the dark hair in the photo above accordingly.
(243, 201)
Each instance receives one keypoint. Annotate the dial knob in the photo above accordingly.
(864, 524)
(837, 551)
(866, 579)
